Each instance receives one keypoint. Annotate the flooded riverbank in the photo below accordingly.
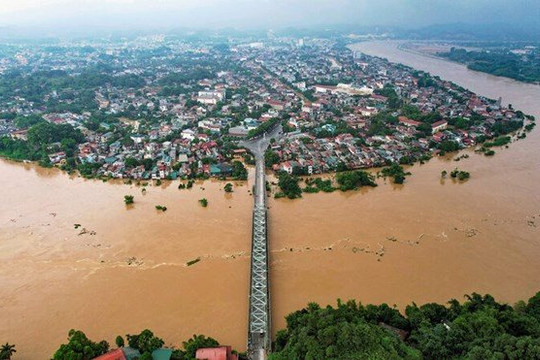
(428, 240)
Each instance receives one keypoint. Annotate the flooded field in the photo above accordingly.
(125, 268)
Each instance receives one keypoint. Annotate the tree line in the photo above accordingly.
(478, 329)
(80, 347)
(498, 62)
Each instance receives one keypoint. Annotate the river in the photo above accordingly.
(428, 240)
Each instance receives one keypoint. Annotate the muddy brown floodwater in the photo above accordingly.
(429, 240)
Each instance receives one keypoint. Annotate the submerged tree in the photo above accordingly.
(128, 199)
(6, 351)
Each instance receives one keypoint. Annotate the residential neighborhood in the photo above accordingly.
(171, 109)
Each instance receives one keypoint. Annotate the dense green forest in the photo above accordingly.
(499, 62)
(479, 329)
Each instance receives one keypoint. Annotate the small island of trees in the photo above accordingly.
(288, 185)
(460, 174)
(396, 172)
(345, 181)
(203, 202)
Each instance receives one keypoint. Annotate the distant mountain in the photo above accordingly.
(526, 31)
(529, 32)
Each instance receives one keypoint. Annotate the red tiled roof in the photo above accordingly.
(117, 354)
(220, 353)
(405, 120)
(439, 123)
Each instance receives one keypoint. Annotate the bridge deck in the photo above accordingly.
(259, 337)
(259, 303)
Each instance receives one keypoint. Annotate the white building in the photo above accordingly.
(210, 97)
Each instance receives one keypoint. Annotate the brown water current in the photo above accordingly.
(428, 240)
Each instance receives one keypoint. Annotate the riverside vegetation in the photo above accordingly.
(500, 61)
(479, 328)
(344, 181)
(81, 348)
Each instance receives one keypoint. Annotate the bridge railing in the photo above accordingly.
(259, 340)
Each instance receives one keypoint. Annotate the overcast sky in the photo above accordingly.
(260, 13)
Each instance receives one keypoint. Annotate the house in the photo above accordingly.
(203, 137)
(105, 137)
(352, 90)
(20, 134)
(438, 137)
(380, 98)
(367, 111)
(220, 169)
(137, 139)
(188, 134)
(238, 131)
(307, 108)
(131, 353)
(250, 123)
(408, 122)
(110, 159)
(57, 157)
(301, 85)
(219, 353)
(278, 105)
(128, 353)
(439, 126)
(210, 97)
(324, 89)
(239, 152)
(162, 354)
(182, 158)
(117, 354)
(287, 167)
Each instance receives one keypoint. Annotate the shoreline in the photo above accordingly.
(421, 53)
(165, 183)
(375, 170)
(397, 44)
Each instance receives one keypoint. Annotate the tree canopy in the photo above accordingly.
(145, 342)
(79, 347)
(289, 185)
(479, 329)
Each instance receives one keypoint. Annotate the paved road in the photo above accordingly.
(258, 147)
